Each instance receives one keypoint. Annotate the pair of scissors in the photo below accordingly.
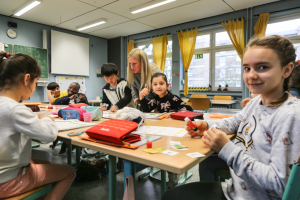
(75, 133)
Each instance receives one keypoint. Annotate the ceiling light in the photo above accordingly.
(26, 7)
(91, 24)
(149, 5)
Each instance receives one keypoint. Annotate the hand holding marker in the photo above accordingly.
(190, 124)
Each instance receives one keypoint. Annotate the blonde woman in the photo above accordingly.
(140, 71)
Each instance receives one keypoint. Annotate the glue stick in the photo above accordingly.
(190, 124)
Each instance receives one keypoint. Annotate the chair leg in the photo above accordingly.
(152, 174)
(187, 175)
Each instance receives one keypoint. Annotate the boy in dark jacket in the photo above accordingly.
(73, 96)
(116, 93)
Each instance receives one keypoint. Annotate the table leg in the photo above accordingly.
(112, 190)
(78, 152)
(163, 181)
(69, 152)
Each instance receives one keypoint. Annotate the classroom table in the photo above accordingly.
(178, 164)
(227, 103)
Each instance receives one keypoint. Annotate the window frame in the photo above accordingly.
(149, 42)
(293, 39)
(212, 51)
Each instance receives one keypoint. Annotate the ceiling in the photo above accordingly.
(68, 14)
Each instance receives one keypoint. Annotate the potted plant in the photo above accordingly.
(220, 88)
(225, 88)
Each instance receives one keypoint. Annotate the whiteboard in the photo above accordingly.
(65, 81)
(69, 54)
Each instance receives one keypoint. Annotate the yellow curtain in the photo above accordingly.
(160, 51)
(261, 25)
(187, 43)
(235, 31)
(130, 46)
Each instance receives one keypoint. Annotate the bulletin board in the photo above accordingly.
(65, 81)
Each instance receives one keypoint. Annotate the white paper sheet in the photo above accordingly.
(160, 130)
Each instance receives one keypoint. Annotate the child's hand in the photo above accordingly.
(168, 115)
(201, 125)
(82, 98)
(103, 107)
(113, 109)
(215, 139)
(73, 96)
(245, 102)
(136, 101)
(144, 92)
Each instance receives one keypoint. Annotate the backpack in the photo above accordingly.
(97, 112)
(91, 170)
(71, 113)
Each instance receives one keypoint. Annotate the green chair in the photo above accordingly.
(292, 191)
(222, 174)
(33, 194)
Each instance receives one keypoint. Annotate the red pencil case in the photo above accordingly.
(183, 114)
(115, 130)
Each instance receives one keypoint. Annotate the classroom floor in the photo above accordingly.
(98, 189)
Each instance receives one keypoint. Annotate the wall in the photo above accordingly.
(30, 34)
(250, 16)
(114, 52)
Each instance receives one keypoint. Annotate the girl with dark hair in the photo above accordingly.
(19, 173)
(164, 100)
(267, 130)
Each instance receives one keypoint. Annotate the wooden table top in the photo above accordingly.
(178, 164)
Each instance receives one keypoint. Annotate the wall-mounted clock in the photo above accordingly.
(11, 33)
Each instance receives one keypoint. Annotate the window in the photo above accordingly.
(148, 48)
(215, 62)
(287, 26)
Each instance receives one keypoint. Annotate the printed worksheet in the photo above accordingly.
(64, 125)
(160, 130)
(154, 115)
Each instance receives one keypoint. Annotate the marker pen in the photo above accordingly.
(190, 124)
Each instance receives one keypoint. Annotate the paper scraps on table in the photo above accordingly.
(195, 155)
(153, 151)
(179, 147)
(169, 152)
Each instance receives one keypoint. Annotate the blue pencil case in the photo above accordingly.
(70, 114)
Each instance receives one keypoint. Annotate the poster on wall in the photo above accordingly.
(65, 81)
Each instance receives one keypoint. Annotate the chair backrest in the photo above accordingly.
(292, 191)
(199, 103)
(199, 95)
(222, 97)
